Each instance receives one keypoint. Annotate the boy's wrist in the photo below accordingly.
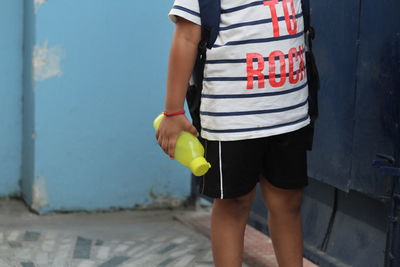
(169, 113)
(173, 108)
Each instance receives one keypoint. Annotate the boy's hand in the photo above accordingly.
(169, 130)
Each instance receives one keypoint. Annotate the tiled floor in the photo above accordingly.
(37, 248)
(124, 238)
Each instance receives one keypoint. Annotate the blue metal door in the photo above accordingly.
(349, 213)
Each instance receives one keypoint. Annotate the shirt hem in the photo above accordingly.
(253, 135)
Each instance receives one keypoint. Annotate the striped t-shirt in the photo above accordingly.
(255, 82)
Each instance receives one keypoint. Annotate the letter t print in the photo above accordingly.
(275, 23)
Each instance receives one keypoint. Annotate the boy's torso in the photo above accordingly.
(255, 82)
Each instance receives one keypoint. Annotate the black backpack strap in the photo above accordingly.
(305, 4)
(308, 30)
(210, 13)
(312, 72)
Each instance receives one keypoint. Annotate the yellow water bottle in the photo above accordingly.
(188, 151)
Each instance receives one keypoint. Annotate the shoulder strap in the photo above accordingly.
(210, 14)
(305, 4)
(312, 72)
(308, 30)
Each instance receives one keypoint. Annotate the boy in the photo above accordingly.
(254, 115)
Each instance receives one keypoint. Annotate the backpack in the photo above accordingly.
(210, 13)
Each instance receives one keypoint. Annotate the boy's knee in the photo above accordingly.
(288, 203)
(244, 202)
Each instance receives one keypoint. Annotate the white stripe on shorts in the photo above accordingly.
(205, 154)
(220, 171)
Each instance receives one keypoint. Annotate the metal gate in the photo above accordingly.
(350, 208)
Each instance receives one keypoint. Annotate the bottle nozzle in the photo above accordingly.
(199, 166)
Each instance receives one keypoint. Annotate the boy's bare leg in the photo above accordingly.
(284, 222)
(228, 224)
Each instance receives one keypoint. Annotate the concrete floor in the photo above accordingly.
(106, 239)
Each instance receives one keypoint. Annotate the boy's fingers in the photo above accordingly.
(164, 145)
(193, 130)
(168, 151)
(171, 148)
(159, 140)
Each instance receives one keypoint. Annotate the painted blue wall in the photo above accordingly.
(11, 32)
(100, 70)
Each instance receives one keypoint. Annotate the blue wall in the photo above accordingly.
(11, 31)
(100, 69)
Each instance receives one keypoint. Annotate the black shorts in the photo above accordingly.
(236, 166)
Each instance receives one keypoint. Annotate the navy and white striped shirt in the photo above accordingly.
(255, 82)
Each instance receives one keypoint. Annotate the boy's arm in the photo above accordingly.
(181, 62)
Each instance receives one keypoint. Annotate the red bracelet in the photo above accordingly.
(168, 114)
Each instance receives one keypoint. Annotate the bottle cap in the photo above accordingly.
(199, 166)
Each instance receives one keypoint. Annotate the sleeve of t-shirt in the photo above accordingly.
(187, 9)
